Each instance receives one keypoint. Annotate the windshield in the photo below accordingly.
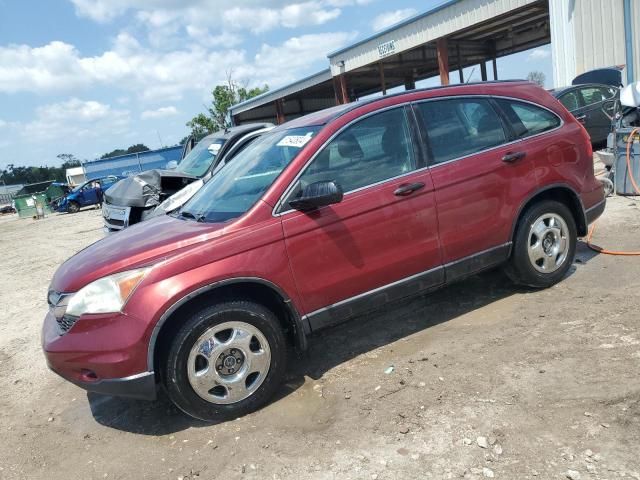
(239, 184)
(198, 160)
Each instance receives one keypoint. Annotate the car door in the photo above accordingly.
(481, 170)
(381, 241)
(598, 109)
(89, 195)
(572, 101)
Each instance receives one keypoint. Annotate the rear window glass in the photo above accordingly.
(527, 119)
(460, 127)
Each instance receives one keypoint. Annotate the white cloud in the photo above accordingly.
(254, 15)
(539, 54)
(161, 112)
(387, 19)
(59, 67)
(282, 62)
(75, 118)
(158, 75)
(296, 15)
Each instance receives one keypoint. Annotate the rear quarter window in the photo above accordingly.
(527, 119)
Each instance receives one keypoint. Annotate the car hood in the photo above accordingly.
(142, 190)
(137, 246)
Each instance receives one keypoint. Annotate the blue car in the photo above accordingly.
(87, 194)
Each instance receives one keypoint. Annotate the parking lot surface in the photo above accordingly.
(478, 380)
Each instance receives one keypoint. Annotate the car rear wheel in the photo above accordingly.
(227, 360)
(544, 245)
(74, 207)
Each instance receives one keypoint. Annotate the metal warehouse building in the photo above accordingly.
(584, 34)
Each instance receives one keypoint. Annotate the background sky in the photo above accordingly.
(88, 76)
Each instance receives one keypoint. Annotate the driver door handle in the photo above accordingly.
(512, 157)
(581, 118)
(408, 189)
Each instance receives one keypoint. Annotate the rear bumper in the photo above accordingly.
(594, 212)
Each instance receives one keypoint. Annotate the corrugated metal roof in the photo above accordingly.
(440, 21)
(394, 27)
(8, 189)
(281, 92)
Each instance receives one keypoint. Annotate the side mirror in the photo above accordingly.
(316, 195)
(172, 165)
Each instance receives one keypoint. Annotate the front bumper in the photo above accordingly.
(101, 353)
(141, 386)
(115, 218)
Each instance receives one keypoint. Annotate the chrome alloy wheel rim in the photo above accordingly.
(228, 362)
(548, 243)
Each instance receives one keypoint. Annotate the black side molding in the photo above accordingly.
(374, 299)
(476, 263)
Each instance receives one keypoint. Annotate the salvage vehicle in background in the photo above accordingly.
(7, 209)
(85, 195)
(593, 100)
(134, 199)
(324, 218)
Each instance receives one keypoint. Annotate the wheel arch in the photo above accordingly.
(559, 192)
(247, 288)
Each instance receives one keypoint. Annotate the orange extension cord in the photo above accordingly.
(596, 248)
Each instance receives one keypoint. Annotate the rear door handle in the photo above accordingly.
(512, 157)
(581, 118)
(408, 189)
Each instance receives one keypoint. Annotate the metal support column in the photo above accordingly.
(383, 84)
(280, 111)
(459, 60)
(628, 40)
(443, 60)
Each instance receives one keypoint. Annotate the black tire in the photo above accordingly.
(74, 207)
(520, 268)
(175, 376)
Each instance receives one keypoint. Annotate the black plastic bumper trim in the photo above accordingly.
(593, 213)
(141, 386)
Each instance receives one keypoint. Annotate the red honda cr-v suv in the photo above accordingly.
(323, 218)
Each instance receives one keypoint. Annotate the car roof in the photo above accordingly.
(233, 132)
(327, 115)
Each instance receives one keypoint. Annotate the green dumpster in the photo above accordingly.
(27, 199)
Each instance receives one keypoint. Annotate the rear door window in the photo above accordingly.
(460, 127)
(571, 100)
(593, 95)
(526, 119)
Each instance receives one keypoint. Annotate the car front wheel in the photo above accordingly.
(73, 207)
(544, 245)
(227, 360)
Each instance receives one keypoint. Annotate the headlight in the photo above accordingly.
(106, 295)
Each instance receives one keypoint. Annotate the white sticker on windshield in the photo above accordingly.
(297, 141)
(214, 148)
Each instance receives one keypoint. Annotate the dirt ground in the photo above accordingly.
(478, 380)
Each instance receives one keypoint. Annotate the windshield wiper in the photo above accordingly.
(198, 217)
